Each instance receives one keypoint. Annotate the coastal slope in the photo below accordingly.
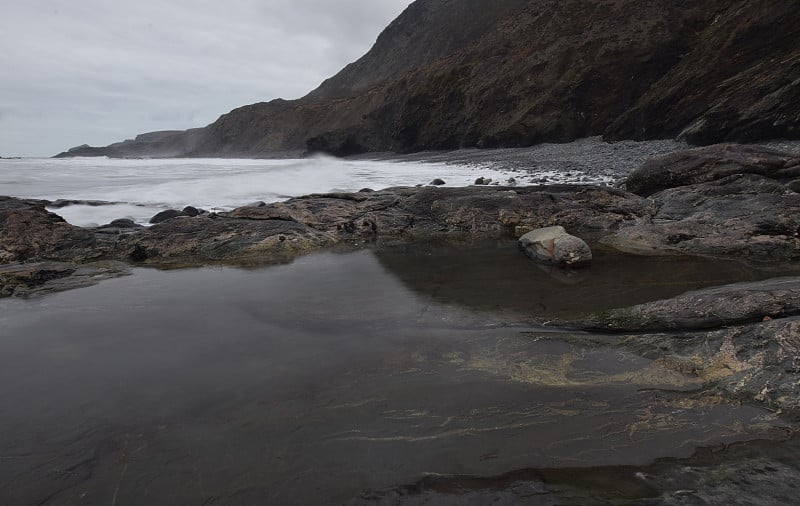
(449, 74)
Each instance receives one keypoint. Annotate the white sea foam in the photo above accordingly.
(141, 188)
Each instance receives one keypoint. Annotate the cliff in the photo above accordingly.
(470, 73)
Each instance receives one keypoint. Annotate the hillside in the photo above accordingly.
(471, 73)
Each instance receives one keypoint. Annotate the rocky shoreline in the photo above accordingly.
(722, 201)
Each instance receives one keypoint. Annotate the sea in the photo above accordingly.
(140, 188)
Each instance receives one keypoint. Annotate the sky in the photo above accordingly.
(100, 71)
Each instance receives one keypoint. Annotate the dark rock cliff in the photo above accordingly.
(463, 73)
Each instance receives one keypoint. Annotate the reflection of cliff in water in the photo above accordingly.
(499, 277)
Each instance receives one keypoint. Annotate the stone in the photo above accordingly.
(714, 307)
(39, 278)
(483, 181)
(438, 182)
(708, 164)
(29, 232)
(554, 245)
(169, 214)
(191, 211)
(743, 215)
(123, 223)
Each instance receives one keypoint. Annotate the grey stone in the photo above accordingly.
(555, 246)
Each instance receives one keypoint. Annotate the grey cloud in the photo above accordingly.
(97, 71)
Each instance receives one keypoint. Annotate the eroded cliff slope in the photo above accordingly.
(464, 73)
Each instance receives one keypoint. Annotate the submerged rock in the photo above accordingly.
(438, 182)
(708, 308)
(554, 245)
(38, 278)
(742, 339)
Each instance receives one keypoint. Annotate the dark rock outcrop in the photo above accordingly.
(463, 73)
(168, 214)
(38, 278)
(708, 308)
(717, 201)
(285, 229)
(712, 163)
(741, 339)
(28, 231)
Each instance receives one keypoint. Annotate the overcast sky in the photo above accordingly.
(99, 71)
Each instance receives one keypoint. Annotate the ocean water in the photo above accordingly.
(138, 189)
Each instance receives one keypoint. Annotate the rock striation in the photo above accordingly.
(448, 74)
(741, 339)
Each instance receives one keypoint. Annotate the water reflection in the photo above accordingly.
(311, 382)
(497, 277)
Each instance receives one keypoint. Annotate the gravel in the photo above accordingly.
(589, 160)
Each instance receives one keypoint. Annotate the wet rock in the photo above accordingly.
(703, 165)
(57, 204)
(123, 223)
(169, 214)
(555, 246)
(28, 231)
(191, 211)
(392, 215)
(437, 182)
(758, 363)
(743, 215)
(261, 212)
(483, 181)
(217, 238)
(742, 340)
(37, 278)
(708, 308)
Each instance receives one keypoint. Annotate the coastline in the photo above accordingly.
(734, 344)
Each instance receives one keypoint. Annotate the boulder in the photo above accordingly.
(555, 246)
(191, 211)
(169, 214)
(437, 182)
(123, 223)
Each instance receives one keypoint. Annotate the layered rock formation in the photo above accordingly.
(464, 73)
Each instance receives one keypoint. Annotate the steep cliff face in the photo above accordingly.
(463, 73)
